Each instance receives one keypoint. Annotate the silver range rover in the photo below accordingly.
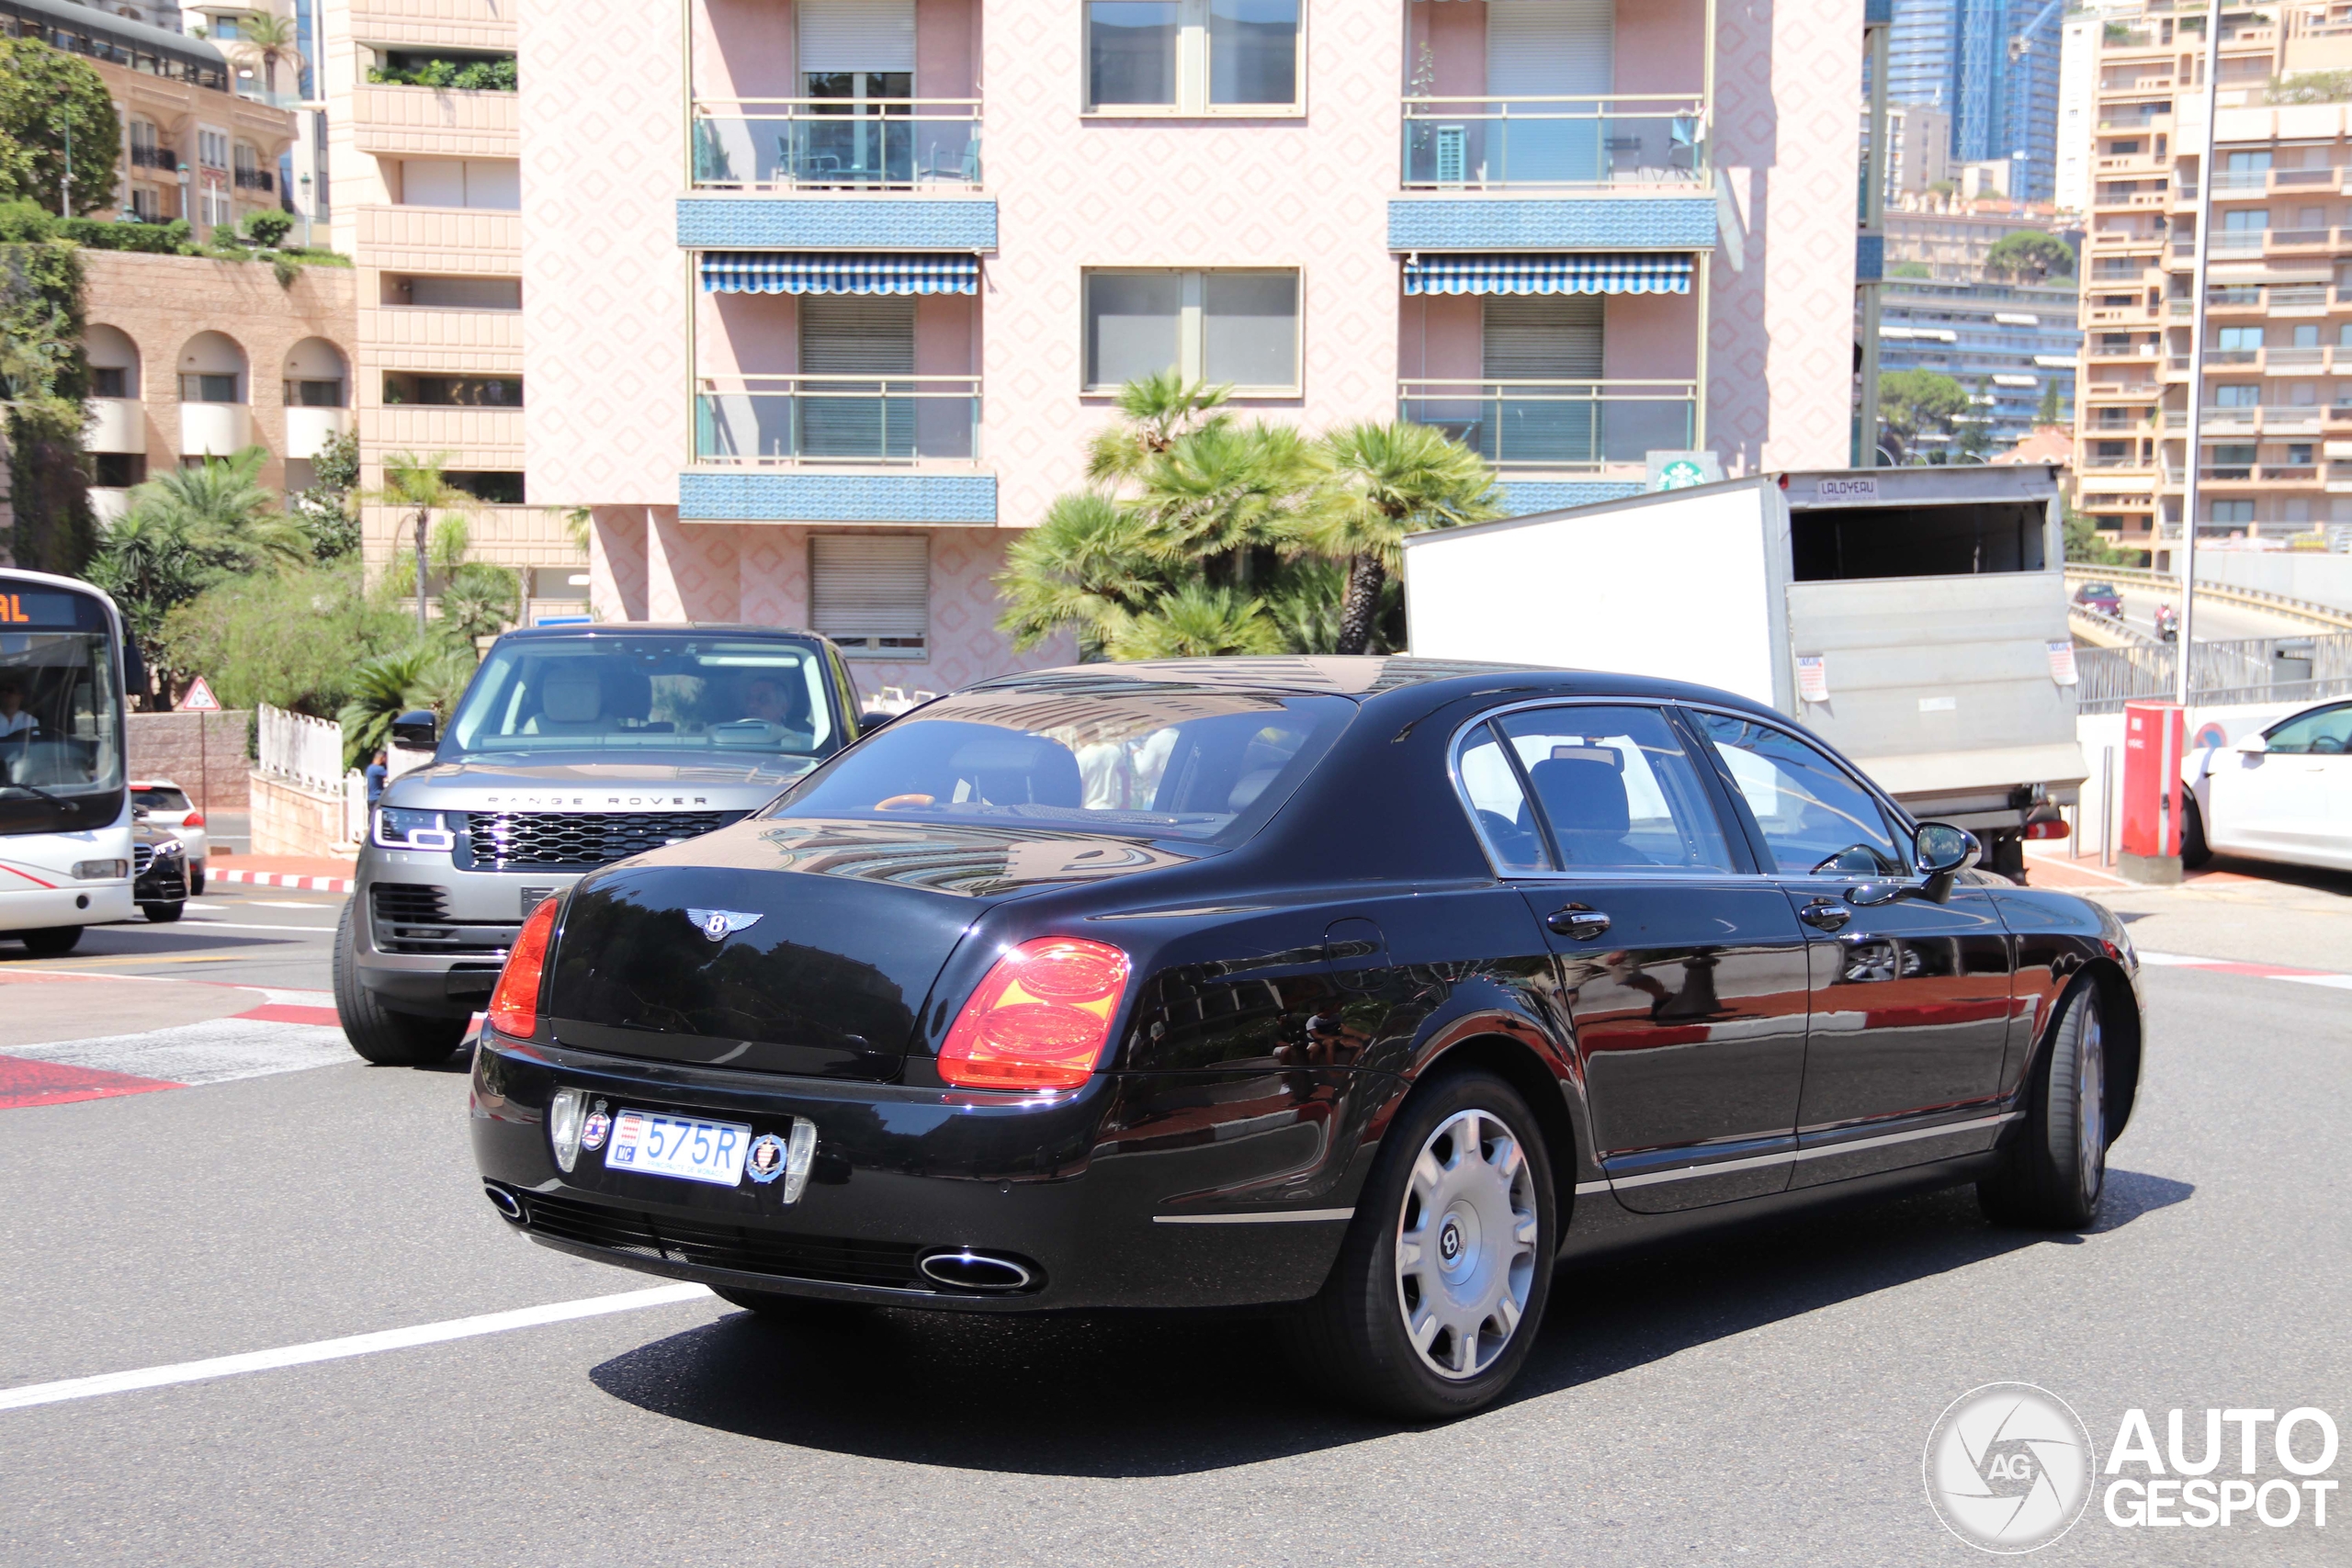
(573, 747)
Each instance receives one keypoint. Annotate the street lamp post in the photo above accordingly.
(2205, 175)
(187, 199)
(306, 212)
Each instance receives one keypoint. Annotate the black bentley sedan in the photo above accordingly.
(1378, 987)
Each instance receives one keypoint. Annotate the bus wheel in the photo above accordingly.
(50, 941)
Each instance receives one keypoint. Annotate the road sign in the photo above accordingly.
(199, 698)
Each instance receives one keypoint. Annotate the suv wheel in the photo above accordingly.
(387, 1038)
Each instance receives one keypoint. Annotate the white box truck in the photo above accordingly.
(1916, 618)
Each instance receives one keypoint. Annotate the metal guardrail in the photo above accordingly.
(2088, 622)
(2242, 669)
(2326, 615)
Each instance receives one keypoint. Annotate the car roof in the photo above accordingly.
(1363, 677)
(656, 628)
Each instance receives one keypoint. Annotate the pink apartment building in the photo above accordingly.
(821, 297)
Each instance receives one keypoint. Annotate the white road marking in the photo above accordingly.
(288, 904)
(2341, 981)
(213, 925)
(337, 1349)
(218, 1050)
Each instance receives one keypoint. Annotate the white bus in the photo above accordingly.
(65, 838)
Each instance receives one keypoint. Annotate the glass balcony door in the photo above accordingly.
(857, 61)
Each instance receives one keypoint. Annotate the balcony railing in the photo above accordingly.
(836, 143)
(1557, 424)
(1622, 138)
(791, 421)
(255, 179)
(153, 156)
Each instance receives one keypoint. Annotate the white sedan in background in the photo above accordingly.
(168, 808)
(2283, 795)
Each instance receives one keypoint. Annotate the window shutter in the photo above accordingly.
(856, 34)
(1542, 338)
(857, 334)
(871, 592)
(1549, 47)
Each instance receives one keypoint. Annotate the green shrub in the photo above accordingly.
(104, 234)
(267, 228)
(467, 76)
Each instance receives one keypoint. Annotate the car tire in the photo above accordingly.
(2054, 1171)
(162, 914)
(387, 1038)
(51, 942)
(2194, 850)
(195, 880)
(774, 1308)
(1399, 1329)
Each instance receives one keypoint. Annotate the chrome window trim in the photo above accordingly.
(1604, 874)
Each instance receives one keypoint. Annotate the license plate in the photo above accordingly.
(691, 1150)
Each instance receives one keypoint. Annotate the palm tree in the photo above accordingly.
(421, 487)
(1222, 493)
(222, 514)
(1198, 622)
(1381, 483)
(382, 689)
(269, 39)
(1089, 565)
(1157, 410)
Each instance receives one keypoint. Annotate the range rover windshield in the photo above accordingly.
(60, 715)
(648, 693)
(1203, 766)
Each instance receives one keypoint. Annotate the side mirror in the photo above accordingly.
(416, 730)
(1944, 852)
(2253, 746)
(867, 723)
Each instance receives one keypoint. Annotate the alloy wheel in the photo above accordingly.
(1466, 1243)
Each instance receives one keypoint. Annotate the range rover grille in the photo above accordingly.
(532, 840)
(835, 1260)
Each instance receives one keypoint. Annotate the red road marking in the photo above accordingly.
(284, 879)
(290, 1012)
(24, 1083)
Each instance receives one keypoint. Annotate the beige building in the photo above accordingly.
(1918, 147)
(2276, 423)
(192, 357)
(192, 147)
(1953, 243)
(427, 198)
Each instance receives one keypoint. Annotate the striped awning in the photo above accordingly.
(1577, 273)
(833, 272)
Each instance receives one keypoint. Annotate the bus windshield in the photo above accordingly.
(61, 714)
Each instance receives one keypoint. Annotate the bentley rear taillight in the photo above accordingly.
(1041, 1018)
(514, 1006)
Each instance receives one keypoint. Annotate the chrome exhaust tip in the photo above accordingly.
(505, 1202)
(969, 1270)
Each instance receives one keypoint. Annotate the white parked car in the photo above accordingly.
(168, 808)
(2283, 795)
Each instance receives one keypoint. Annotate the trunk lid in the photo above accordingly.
(796, 946)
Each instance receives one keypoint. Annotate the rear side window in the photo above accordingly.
(1591, 788)
(1816, 819)
(160, 799)
(1201, 766)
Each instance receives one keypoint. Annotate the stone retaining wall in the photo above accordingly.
(164, 745)
(292, 821)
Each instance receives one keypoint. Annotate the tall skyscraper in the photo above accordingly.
(1992, 65)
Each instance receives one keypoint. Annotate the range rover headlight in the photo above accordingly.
(399, 830)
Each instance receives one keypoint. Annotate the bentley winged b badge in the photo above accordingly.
(720, 924)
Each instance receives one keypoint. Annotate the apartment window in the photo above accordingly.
(1231, 327)
(2244, 219)
(211, 149)
(490, 487)
(314, 394)
(209, 388)
(871, 593)
(495, 184)
(2238, 338)
(2299, 453)
(453, 391)
(143, 203)
(1193, 56)
(2242, 396)
(2307, 335)
(118, 470)
(2234, 511)
(454, 293)
(109, 381)
(2232, 455)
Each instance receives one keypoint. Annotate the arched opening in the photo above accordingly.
(114, 361)
(317, 393)
(214, 392)
(115, 437)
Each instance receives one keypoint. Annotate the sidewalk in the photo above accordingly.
(2237, 910)
(314, 873)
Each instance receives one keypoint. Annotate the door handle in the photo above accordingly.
(1825, 914)
(1577, 920)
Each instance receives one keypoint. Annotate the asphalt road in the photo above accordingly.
(2216, 621)
(1761, 1399)
(264, 936)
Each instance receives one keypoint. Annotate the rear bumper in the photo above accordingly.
(1137, 1191)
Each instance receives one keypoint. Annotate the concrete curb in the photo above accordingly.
(285, 879)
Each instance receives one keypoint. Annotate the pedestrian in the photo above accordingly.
(376, 774)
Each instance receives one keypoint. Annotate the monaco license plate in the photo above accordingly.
(691, 1150)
